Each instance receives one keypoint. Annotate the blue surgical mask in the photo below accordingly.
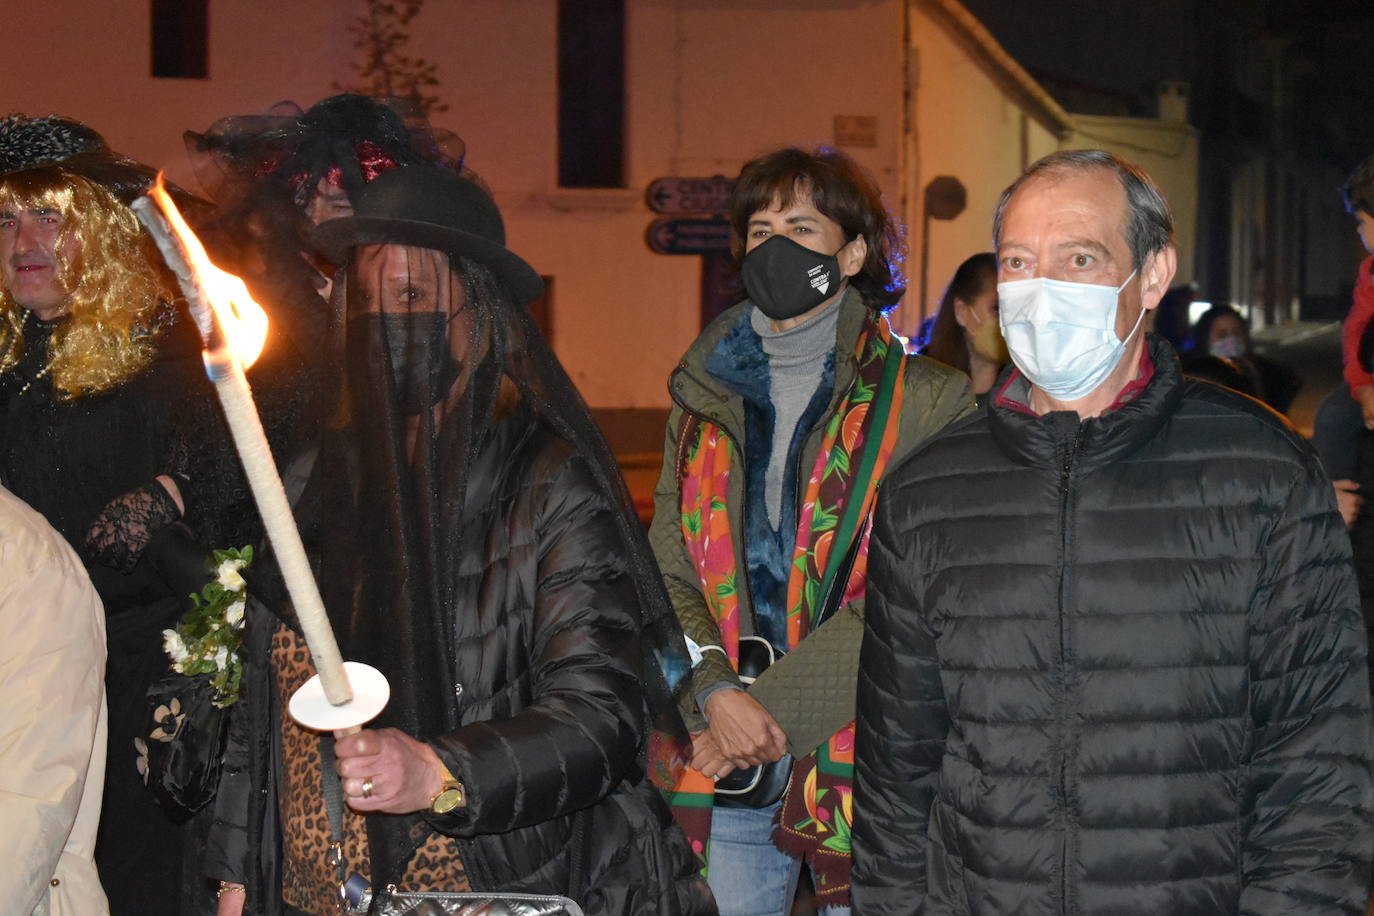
(1227, 347)
(1062, 335)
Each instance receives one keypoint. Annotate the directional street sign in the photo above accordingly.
(689, 195)
(689, 235)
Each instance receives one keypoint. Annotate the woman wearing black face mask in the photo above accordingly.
(787, 409)
(476, 544)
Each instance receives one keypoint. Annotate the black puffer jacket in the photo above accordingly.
(551, 709)
(1113, 667)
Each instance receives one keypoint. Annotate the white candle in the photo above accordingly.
(245, 425)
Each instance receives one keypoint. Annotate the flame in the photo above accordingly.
(242, 320)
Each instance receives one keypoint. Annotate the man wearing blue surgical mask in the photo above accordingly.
(1072, 295)
(1113, 659)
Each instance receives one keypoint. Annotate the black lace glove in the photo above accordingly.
(122, 530)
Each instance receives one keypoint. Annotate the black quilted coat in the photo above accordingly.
(552, 715)
(1113, 667)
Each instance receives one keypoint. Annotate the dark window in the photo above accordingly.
(181, 38)
(591, 93)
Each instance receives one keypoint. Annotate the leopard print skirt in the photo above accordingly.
(309, 883)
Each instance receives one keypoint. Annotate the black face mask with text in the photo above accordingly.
(423, 367)
(785, 279)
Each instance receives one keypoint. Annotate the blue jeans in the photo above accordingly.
(748, 874)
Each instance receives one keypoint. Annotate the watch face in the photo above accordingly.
(447, 800)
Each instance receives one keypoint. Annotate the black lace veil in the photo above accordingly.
(436, 365)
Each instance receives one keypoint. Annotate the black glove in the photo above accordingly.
(122, 530)
(179, 560)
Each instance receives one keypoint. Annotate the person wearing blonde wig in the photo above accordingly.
(96, 367)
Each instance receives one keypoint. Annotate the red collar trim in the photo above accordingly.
(1123, 397)
(1142, 378)
(1003, 399)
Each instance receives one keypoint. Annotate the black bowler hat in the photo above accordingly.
(431, 208)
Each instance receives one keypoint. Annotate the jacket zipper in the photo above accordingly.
(1065, 490)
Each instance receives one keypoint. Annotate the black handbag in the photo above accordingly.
(183, 751)
(761, 785)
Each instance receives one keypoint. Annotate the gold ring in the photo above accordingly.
(367, 787)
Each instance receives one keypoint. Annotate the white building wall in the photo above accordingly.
(710, 83)
(970, 124)
(89, 60)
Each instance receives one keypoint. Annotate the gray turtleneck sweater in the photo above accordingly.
(796, 358)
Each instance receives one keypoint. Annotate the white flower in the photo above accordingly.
(233, 615)
(228, 576)
(173, 645)
(221, 658)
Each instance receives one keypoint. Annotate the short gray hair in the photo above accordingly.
(1149, 226)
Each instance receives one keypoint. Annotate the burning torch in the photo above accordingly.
(343, 695)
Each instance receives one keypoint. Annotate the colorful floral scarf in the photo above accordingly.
(817, 808)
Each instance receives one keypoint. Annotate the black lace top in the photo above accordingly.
(68, 459)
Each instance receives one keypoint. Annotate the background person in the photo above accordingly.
(1349, 409)
(966, 333)
(1169, 321)
(763, 485)
(52, 704)
(1222, 332)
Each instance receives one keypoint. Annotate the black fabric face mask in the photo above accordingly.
(423, 367)
(785, 279)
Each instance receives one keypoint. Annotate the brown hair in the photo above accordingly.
(971, 280)
(840, 190)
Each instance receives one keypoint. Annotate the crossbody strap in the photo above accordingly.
(834, 594)
(332, 789)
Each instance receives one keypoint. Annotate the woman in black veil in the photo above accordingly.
(477, 544)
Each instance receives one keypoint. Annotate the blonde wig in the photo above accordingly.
(117, 282)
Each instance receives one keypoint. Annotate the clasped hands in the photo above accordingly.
(741, 734)
(387, 770)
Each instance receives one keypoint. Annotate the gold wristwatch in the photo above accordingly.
(451, 794)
